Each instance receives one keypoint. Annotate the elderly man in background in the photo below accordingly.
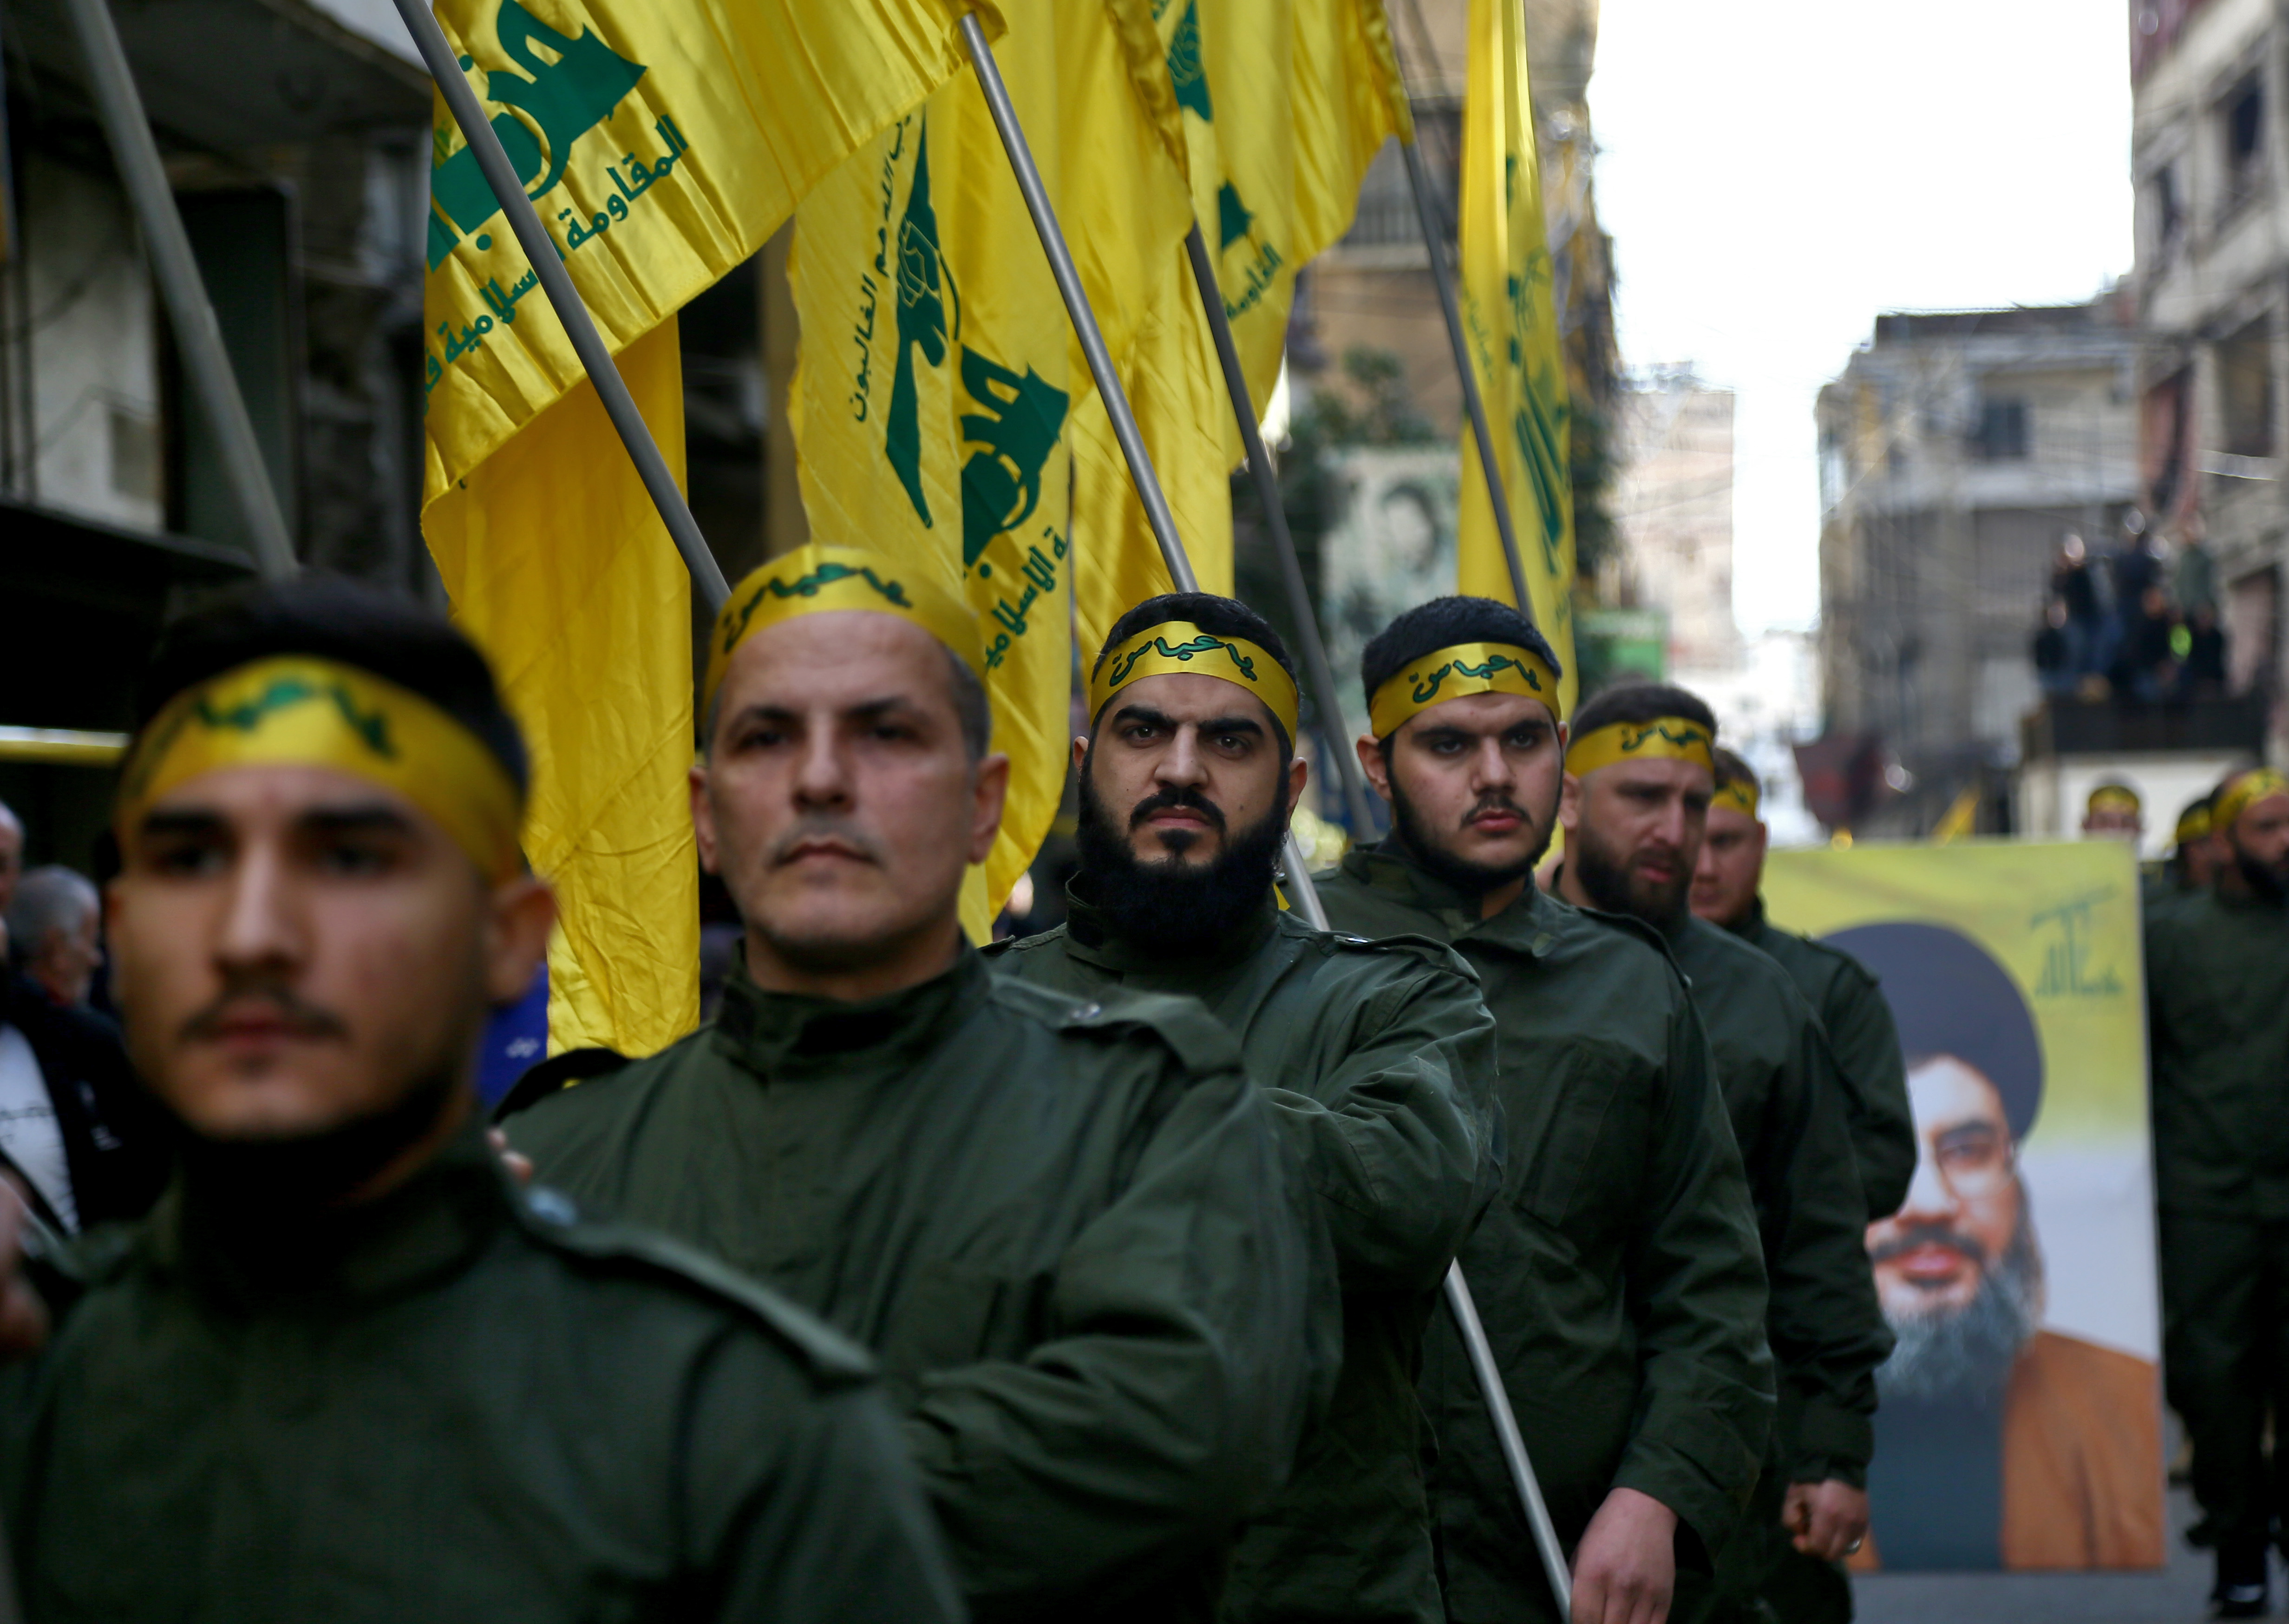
(55, 924)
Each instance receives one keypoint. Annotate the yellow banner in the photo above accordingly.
(1509, 321)
(661, 141)
(938, 372)
(1284, 104)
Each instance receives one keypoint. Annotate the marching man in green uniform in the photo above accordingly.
(1067, 1226)
(2217, 996)
(1377, 1059)
(1640, 774)
(347, 1369)
(1861, 1033)
(1618, 1271)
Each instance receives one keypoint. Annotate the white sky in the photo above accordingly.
(1775, 175)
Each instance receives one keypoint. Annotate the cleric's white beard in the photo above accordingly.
(1968, 1352)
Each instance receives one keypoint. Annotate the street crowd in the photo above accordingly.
(1092, 1274)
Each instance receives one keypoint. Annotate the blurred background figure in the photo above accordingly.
(2054, 649)
(12, 856)
(2073, 584)
(2114, 812)
(55, 921)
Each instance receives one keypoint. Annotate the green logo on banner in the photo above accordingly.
(1018, 429)
(924, 282)
(1191, 79)
(568, 92)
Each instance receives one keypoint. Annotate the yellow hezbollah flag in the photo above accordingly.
(938, 370)
(1510, 319)
(661, 144)
(1285, 103)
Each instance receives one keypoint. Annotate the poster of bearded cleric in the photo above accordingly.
(2020, 1425)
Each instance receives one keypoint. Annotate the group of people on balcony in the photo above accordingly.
(2134, 625)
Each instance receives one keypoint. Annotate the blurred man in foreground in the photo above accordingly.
(2217, 998)
(1618, 1271)
(346, 1371)
(1641, 773)
(1377, 1059)
(12, 855)
(1999, 1445)
(1726, 883)
(1066, 1224)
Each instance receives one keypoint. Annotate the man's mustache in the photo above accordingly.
(275, 1000)
(1186, 796)
(836, 829)
(1497, 801)
(1929, 1235)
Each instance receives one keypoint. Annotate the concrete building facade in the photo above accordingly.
(1673, 515)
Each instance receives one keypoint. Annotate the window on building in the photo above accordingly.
(2169, 210)
(2246, 391)
(2001, 434)
(2242, 116)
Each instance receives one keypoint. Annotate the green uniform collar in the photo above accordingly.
(430, 1227)
(1091, 940)
(1752, 926)
(1529, 925)
(781, 1034)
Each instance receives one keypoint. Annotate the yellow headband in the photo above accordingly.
(2241, 794)
(815, 579)
(301, 710)
(1739, 794)
(1451, 673)
(1667, 737)
(1181, 647)
(2194, 825)
(2113, 798)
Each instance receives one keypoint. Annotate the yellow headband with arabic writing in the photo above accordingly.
(2241, 794)
(2193, 824)
(815, 579)
(1663, 738)
(302, 710)
(1739, 794)
(1179, 648)
(1457, 670)
(2113, 798)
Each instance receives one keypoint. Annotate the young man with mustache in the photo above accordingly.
(346, 1370)
(1066, 1225)
(1640, 774)
(1725, 885)
(2217, 995)
(1618, 1272)
(1377, 1059)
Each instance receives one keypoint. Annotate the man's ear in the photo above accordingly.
(1299, 774)
(991, 792)
(519, 916)
(1079, 751)
(703, 817)
(1569, 802)
(1372, 763)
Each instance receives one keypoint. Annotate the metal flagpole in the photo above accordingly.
(129, 131)
(556, 282)
(1267, 495)
(1507, 1434)
(1473, 402)
(1300, 890)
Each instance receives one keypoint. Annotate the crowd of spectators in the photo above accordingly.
(2132, 625)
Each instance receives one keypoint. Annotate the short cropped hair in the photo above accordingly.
(1442, 623)
(389, 635)
(1732, 769)
(1226, 617)
(1638, 701)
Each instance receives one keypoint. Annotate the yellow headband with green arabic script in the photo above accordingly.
(2241, 794)
(2193, 824)
(2113, 798)
(1663, 738)
(1180, 648)
(301, 710)
(815, 579)
(1739, 794)
(1453, 672)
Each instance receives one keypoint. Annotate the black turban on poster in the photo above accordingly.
(1950, 996)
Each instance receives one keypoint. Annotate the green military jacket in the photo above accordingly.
(453, 1403)
(1787, 1107)
(1617, 1272)
(1865, 1042)
(1378, 1059)
(1067, 1228)
(2217, 1000)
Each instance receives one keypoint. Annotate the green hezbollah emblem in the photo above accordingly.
(568, 92)
(1016, 432)
(923, 284)
(1191, 79)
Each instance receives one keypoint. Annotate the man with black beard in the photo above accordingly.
(1999, 1445)
(2217, 993)
(1640, 773)
(1377, 1058)
(1618, 1273)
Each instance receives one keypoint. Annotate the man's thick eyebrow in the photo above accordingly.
(182, 823)
(1214, 724)
(357, 818)
(864, 710)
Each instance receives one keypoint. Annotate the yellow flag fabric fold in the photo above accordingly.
(1509, 320)
(661, 141)
(938, 373)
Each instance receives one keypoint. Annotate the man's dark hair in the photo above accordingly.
(384, 633)
(1442, 623)
(1731, 769)
(1640, 702)
(1225, 617)
(1951, 997)
(972, 706)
